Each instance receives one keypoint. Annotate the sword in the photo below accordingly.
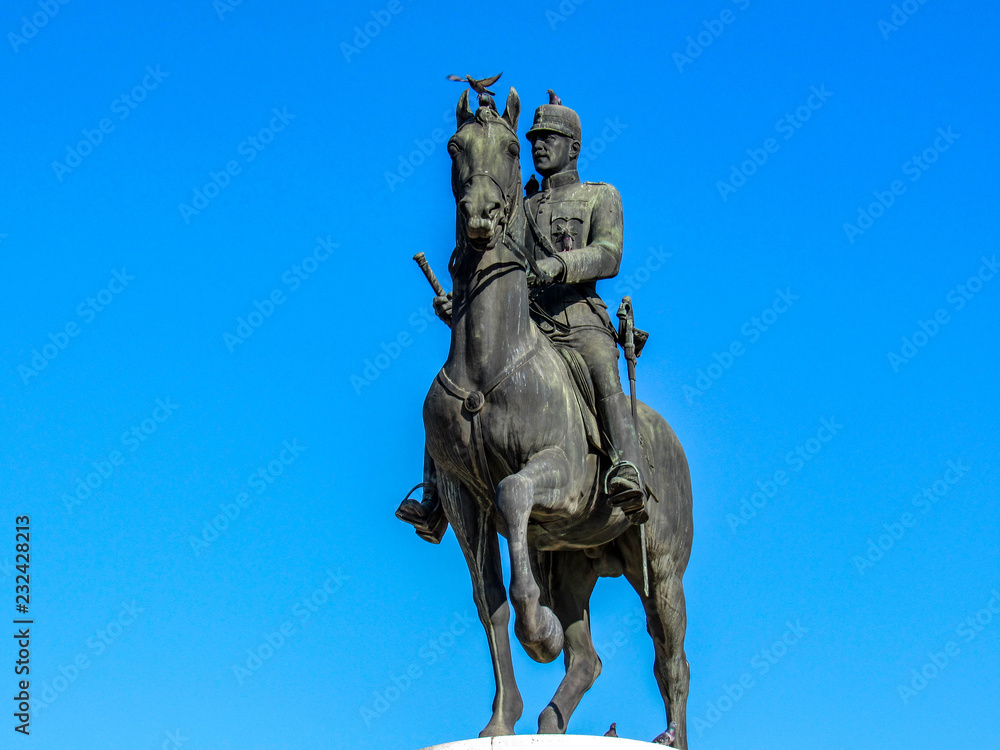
(626, 326)
(626, 336)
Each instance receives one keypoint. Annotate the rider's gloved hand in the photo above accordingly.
(442, 307)
(551, 270)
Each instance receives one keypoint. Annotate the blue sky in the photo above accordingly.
(207, 215)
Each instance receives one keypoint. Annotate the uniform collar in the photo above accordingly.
(558, 180)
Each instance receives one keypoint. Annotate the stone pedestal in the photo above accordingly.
(546, 742)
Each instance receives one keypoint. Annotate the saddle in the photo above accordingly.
(585, 396)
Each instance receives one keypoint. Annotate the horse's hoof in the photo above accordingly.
(496, 729)
(546, 643)
(548, 722)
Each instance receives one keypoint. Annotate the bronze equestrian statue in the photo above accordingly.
(528, 431)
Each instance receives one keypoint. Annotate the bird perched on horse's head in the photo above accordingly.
(480, 86)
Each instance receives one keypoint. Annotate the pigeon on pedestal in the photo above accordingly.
(667, 737)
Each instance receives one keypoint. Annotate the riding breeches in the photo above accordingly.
(599, 351)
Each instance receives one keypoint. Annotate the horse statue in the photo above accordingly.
(513, 446)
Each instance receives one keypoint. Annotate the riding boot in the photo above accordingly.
(427, 516)
(624, 485)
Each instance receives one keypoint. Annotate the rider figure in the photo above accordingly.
(575, 235)
(575, 230)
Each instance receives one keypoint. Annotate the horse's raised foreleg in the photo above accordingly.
(478, 539)
(540, 481)
(572, 582)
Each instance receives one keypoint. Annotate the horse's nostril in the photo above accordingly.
(487, 210)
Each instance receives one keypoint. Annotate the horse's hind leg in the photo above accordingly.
(666, 621)
(478, 539)
(670, 665)
(572, 582)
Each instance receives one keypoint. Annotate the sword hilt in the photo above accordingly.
(626, 333)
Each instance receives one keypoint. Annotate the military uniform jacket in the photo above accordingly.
(584, 226)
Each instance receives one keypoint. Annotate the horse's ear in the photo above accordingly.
(462, 112)
(513, 109)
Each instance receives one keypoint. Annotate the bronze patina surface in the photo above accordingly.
(529, 433)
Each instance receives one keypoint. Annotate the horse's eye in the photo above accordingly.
(453, 149)
(514, 149)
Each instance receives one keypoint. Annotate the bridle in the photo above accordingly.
(510, 196)
(509, 193)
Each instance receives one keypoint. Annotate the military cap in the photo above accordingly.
(558, 119)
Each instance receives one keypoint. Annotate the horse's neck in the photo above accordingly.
(491, 327)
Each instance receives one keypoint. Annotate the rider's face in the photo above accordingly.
(553, 152)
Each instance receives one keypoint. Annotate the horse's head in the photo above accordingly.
(486, 170)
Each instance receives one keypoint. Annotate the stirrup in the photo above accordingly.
(630, 499)
(429, 527)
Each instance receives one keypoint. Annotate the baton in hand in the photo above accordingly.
(426, 268)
